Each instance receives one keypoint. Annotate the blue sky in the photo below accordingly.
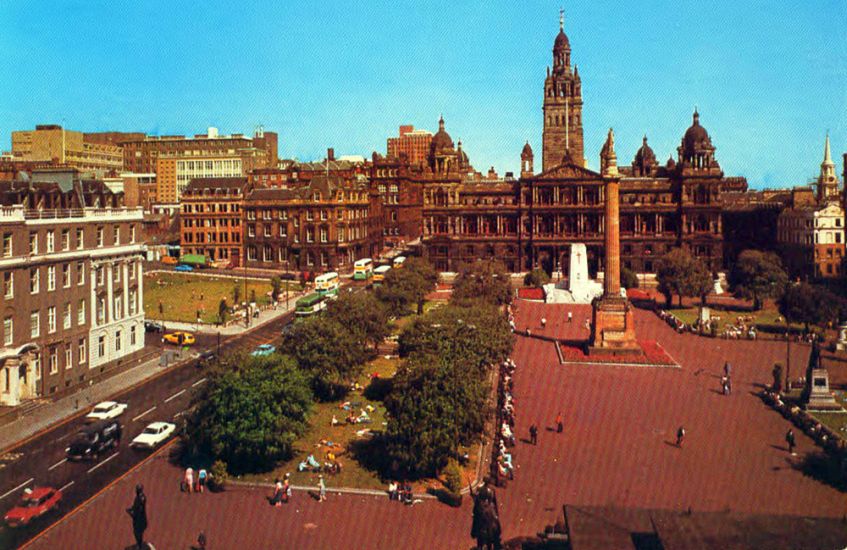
(769, 78)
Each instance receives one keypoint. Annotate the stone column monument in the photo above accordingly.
(613, 326)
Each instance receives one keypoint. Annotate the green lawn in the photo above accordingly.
(835, 420)
(766, 316)
(182, 295)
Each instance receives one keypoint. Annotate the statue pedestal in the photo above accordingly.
(613, 327)
(841, 344)
(820, 398)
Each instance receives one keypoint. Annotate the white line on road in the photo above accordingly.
(67, 435)
(101, 463)
(21, 486)
(151, 409)
(174, 396)
(68, 484)
(195, 384)
(56, 465)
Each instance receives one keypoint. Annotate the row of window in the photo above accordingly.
(353, 232)
(212, 237)
(198, 208)
(35, 322)
(274, 214)
(269, 254)
(65, 244)
(67, 278)
(213, 222)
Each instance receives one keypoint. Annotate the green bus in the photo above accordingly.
(363, 269)
(309, 305)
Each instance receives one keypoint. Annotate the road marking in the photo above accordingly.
(62, 490)
(151, 409)
(195, 384)
(21, 486)
(174, 396)
(101, 463)
(65, 436)
(56, 465)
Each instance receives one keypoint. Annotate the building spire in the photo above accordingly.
(827, 155)
(562, 19)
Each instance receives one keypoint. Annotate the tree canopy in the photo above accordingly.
(684, 275)
(536, 278)
(757, 275)
(408, 286)
(809, 304)
(484, 280)
(331, 353)
(250, 412)
(363, 314)
(628, 278)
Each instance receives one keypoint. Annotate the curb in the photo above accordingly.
(343, 490)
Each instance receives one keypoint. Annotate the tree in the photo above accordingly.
(330, 353)
(361, 313)
(276, 286)
(808, 304)
(628, 278)
(250, 412)
(536, 278)
(408, 286)
(222, 311)
(236, 294)
(485, 280)
(757, 275)
(681, 274)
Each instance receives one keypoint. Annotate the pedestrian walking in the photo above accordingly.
(729, 385)
(560, 425)
(724, 386)
(286, 488)
(138, 513)
(543, 322)
(570, 317)
(321, 489)
(789, 438)
(201, 541)
(188, 480)
(680, 436)
(533, 434)
(201, 480)
(727, 369)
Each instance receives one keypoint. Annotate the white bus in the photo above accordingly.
(379, 273)
(309, 305)
(327, 284)
(398, 261)
(363, 269)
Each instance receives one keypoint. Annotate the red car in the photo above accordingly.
(35, 503)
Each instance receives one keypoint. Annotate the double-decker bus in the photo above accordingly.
(398, 261)
(309, 305)
(363, 269)
(327, 284)
(379, 273)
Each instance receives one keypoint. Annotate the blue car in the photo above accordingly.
(263, 350)
(183, 267)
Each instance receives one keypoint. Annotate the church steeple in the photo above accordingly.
(827, 181)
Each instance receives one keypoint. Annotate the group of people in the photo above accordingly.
(401, 492)
(505, 468)
(192, 484)
(282, 491)
(511, 317)
(672, 321)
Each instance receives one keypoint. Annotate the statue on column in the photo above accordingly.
(486, 518)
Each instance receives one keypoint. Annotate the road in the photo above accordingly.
(41, 461)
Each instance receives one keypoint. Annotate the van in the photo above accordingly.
(94, 440)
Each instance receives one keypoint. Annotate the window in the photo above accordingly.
(51, 278)
(118, 340)
(132, 233)
(132, 300)
(8, 331)
(66, 239)
(251, 253)
(101, 346)
(116, 272)
(33, 243)
(34, 281)
(34, 324)
(51, 241)
(119, 306)
(7, 245)
(80, 273)
(116, 235)
(324, 233)
(101, 310)
(99, 237)
(51, 319)
(267, 230)
(80, 240)
(54, 360)
(80, 313)
(66, 275)
(81, 350)
(9, 285)
(132, 335)
(69, 360)
(100, 275)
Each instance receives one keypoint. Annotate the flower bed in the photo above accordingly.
(652, 354)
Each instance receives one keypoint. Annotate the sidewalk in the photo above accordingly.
(52, 412)
(237, 327)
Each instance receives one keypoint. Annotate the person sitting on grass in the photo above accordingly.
(334, 421)
(392, 491)
(363, 418)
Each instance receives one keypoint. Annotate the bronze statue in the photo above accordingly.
(486, 518)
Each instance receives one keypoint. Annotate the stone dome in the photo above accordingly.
(562, 41)
(441, 140)
(645, 155)
(696, 137)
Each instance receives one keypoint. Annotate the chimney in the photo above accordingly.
(330, 154)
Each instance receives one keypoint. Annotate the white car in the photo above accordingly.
(153, 435)
(105, 411)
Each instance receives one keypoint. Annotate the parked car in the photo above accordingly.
(170, 260)
(153, 326)
(207, 356)
(153, 435)
(95, 439)
(183, 267)
(288, 276)
(34, 503)
(180, 338)
(105, 410)
(263, 350)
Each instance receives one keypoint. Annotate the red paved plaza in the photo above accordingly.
(617, 449)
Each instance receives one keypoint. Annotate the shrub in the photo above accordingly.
(219, 475)
(453, 476)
